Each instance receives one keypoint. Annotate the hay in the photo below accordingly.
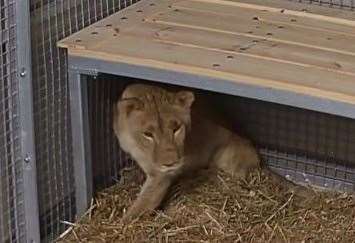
(216, 208)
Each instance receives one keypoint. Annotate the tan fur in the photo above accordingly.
(145, 111)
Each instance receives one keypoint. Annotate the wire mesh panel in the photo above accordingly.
(11, 186)
(306, 146)
(52, 20)
(343, 4)
(10, 168)
(107, 158)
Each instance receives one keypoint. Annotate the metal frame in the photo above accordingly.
(81, 138)
(26, 121)
(79, 66)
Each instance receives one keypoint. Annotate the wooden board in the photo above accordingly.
(266, 46)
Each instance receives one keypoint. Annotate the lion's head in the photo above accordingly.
(152, 123)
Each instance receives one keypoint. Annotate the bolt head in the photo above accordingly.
(27, 159)
(23, 72)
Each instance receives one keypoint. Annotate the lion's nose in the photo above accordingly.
(171, 158)
(168, 155)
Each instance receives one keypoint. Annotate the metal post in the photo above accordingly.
(81, 140)
(26, 121)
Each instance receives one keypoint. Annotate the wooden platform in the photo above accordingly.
(266, 47)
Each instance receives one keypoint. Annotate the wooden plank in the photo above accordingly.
(262, 7)
(284, 18)
(145, 48)
(111, 26)
(246, 45)
(235, 25)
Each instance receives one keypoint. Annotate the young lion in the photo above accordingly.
(169, 137)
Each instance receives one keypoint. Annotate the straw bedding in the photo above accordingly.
(213, 207)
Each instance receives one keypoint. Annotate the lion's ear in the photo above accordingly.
(128, 105)
(184, 99)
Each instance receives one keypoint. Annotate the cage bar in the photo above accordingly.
(28, 157)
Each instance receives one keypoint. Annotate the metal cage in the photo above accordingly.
(36, 157)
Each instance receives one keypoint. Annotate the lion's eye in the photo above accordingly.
(148, 135)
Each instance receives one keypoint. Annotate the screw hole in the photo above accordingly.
(250, 32)
(139, 11)
(269, 33)
(293, 20)
(328, 38)
(230, 57)
(77, 40)
(94, 33)
(216, 65)
(124, 18)
(280, 27)
(152, 4)
(256, 18)
(255, 41)
(108, 25)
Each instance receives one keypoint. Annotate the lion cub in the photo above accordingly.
(168, 137)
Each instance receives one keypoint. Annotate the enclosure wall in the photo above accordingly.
(11, 187)
(18, 190)
(50, 22)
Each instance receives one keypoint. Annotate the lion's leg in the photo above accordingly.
(150, 197)
(237, 157)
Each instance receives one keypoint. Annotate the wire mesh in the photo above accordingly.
(52, 20)
(306, 146)
(342, 4)
(107, 158)
(11, 187)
